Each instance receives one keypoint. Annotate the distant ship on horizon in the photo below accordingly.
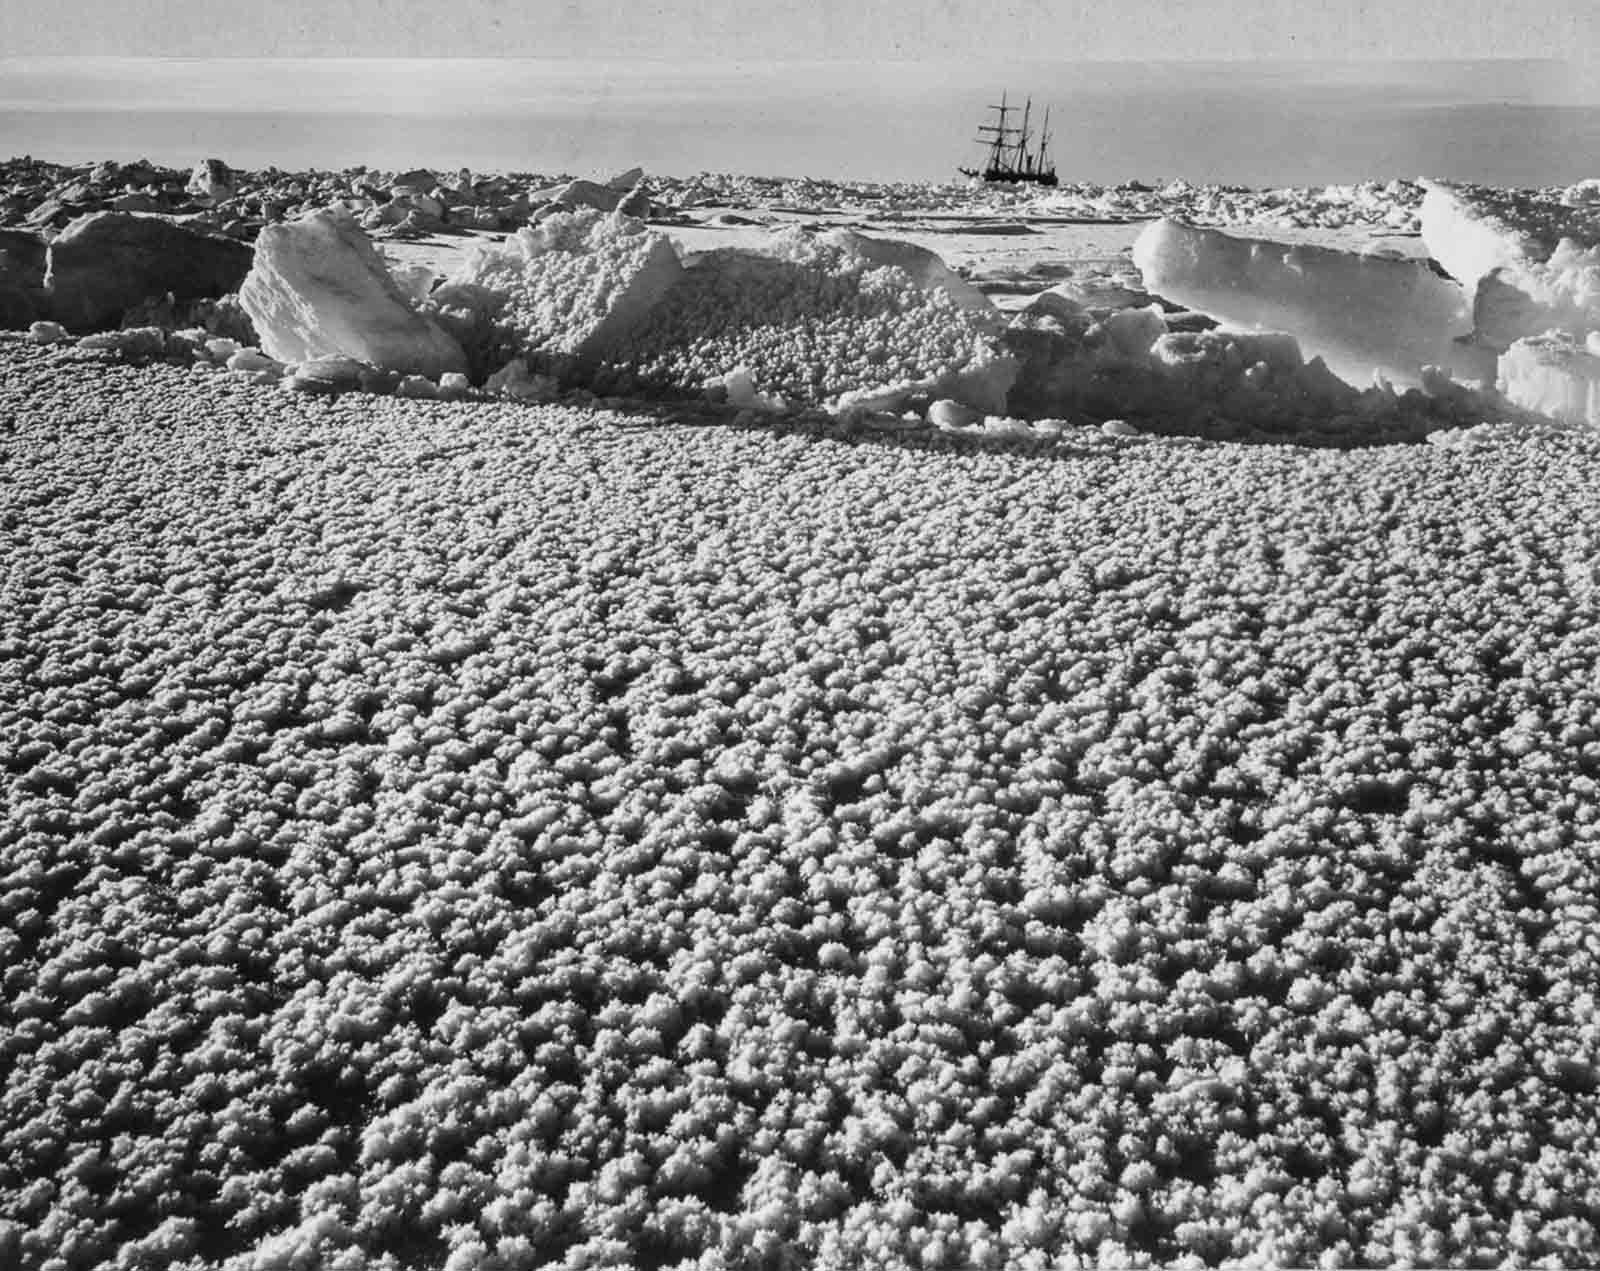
(1009, 158)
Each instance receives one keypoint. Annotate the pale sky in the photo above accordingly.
(800, 29)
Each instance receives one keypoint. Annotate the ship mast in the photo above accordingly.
(998, 146)
(1022, 162)
(1044, 140)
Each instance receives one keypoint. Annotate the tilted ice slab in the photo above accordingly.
(1556, 375)
(318, 288)
(1530, 260)
(1360, 314)
(1472, 230)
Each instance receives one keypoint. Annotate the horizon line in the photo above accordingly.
(704, 64)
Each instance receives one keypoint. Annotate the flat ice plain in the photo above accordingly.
(474, 835)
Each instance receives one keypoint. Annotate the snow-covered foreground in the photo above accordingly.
(501, 837)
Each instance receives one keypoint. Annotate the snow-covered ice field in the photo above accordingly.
(491, 836)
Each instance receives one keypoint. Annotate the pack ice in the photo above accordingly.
(1361, 314)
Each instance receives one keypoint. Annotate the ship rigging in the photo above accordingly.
(1009, 157)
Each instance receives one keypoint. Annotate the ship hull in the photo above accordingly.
(1004, 176)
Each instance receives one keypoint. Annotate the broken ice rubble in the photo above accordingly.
(1361, 314)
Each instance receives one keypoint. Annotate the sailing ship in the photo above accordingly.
(1009, 158)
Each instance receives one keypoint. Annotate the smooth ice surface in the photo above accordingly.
(1555, 375)
(317, 288)
(1360, 314)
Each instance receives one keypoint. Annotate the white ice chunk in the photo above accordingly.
(516, 381)
(48, 333)
(1359, 313)
(948, 415)
(212, 179)
(453, 386)
(582, 193)
(742, 392)
(317, 287)
(1556, 375)
(1131, 332)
